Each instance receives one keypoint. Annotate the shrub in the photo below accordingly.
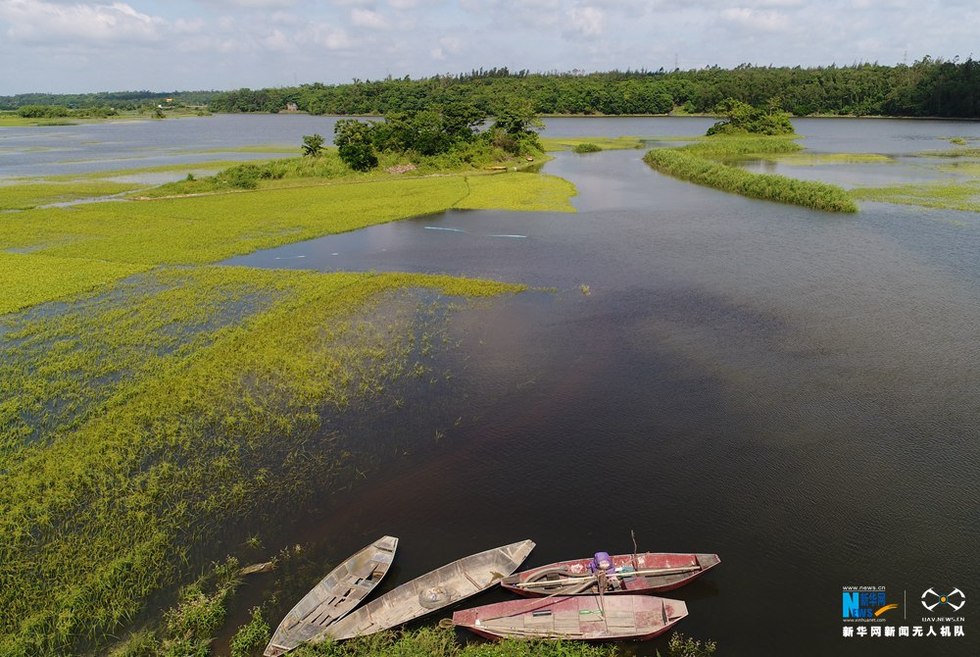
(587, 148)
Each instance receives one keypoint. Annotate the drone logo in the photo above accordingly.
(955, 599)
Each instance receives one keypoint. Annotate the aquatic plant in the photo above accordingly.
(23, 196)
(518, 191)
(960, 195)
(441, 642)
(699, 163)
(603, 143)
(152, 416)
(29, 279)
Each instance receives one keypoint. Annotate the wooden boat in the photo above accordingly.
(443, 586)
(334, 597)
(647, 572)
(579, 617)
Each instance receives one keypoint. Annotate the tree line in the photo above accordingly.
(926, 88)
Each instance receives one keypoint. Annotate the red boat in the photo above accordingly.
(647, 572)
(580, 617)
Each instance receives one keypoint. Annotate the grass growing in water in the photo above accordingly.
(215, 424)
(601, 143)
(699, 163)
(947, 196)
(29, 279)
(24, 196)
(145, 415)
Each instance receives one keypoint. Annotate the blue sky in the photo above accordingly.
(106, 45)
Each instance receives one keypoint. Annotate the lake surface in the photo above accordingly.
(796, 391)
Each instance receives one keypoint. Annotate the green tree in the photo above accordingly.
(312, 145)
(742, 118)
(354, 144)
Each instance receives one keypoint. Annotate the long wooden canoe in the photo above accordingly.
(578, 617)
(647, 572)
(443, 586)
(334, 597)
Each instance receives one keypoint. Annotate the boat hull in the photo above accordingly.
(647, 572)
(336, 595)
(579, 618)
(434, 590)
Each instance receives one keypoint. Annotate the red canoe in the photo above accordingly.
(648, 572)
(580, 617)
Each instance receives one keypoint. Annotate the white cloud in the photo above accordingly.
(38, 21)
(756, 18)
(368, 18)
(587, 21)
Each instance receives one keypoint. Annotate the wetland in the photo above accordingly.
(792, 389)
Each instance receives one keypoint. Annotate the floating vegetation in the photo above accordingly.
(701, 163)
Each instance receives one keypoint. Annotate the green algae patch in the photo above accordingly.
(144, 421)
(27, 195)
(28, 279)
(518, 191)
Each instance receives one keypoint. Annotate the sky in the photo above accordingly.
(74, 46)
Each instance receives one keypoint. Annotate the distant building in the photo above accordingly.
(292, 107)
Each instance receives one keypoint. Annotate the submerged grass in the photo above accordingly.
(944, 195)
(219, 422)
(518, 191)
(553, 144)
(29, 279)
(699, 163)
(24, 196)
(161, 400)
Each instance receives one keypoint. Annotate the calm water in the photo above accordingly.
(794, 390)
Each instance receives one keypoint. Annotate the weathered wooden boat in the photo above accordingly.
(646, 572)
(334, 597)
(579, 617)
(443, 586)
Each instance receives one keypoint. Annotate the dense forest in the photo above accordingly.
(929, 87)
(926, 88)
(117, 100)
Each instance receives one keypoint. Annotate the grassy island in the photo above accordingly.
(709, 163)
(744, 133)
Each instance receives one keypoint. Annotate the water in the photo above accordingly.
(794, 390)
(108, 146)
